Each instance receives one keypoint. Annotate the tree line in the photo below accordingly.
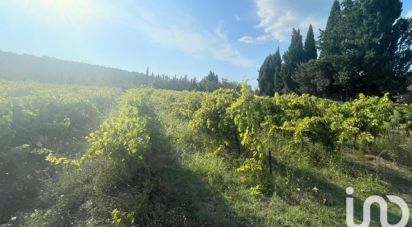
(365, 48)
(52, 70)
(210, 82)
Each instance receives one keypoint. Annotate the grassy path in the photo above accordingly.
(181, 198)
(178, 196)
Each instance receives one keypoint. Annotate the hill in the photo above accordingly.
(52, 70)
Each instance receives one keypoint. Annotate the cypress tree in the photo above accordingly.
(310, 45)
(292, 58)
(374, 39)
(402, 61)
(269, 79)
(266, 77)
(330, 39)
(210, 82)
(277, 80)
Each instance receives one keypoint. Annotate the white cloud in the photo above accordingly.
(259, 39)
(228, 54)
(177, 38)
(225, 50)
(409, 14)
(237, 17)
(167, 36)
(186, 37)
(278, 17)
(220, 32)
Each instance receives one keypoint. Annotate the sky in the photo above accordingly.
(173, 37)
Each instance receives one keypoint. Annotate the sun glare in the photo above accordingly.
(70, 11)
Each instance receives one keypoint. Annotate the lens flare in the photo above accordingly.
(70, 11)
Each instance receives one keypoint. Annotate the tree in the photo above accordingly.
(316, 77)
(210, 82)
(369, 49)
(365, 48)
(310, 45)
(402, 61)
(378, 19)
(229, 84)
(362, 41)
(292, 58)
(269, 79)
(278, 84)
(266, 75)
(329, 40)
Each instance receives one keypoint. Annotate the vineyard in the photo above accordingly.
(86, 156)
(36, 119)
